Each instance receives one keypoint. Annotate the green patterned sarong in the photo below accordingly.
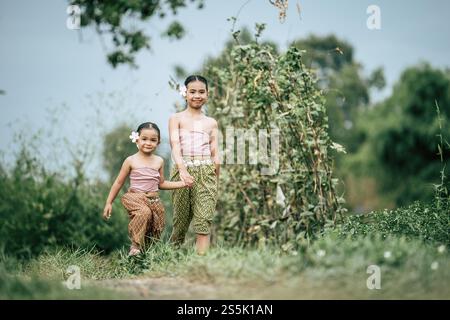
(197, 203)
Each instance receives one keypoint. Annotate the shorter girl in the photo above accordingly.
(142, 202)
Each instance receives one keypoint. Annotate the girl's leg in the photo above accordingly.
(140, 219)
(158, 221)
(204, 199)
(202, 244)
(182, 213)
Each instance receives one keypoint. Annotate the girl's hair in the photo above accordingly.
(196, 78)
(149, 125)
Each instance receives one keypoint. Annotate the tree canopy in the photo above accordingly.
(115, 17)
(401, 135)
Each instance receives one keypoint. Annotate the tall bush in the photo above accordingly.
(261, 89)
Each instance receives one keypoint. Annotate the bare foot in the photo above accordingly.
(134, 251)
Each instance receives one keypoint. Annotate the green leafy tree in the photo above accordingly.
(41, 210)
(221, 61)
(114, 17)
(340, 77)
(401, 136)
(276, 91)
(326, 54)
(346, 89)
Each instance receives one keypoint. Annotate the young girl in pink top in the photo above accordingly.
(142, 202)
(194, 142)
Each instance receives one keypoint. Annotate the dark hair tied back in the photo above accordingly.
(196, 78)
(149, 125)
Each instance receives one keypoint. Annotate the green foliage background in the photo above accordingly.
(404, 139)
(41, 210)
(275, 91)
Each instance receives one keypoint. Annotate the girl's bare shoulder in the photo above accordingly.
(211, 121)
(158, 160)
(177, 115)
(211, 124)
(130, 161)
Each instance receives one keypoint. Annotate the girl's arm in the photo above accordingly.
(168, 185)
(214, 145)
(174, 136)
(117, 185)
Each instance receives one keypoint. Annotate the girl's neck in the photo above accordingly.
(194, 112)
(145, 155)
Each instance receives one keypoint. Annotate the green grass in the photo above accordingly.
(429, 222)
(409, 245)
(52, 264)
(14, 287)
(20, 281)
(333, 267)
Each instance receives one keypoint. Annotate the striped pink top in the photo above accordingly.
(144, 179)
(194, 143)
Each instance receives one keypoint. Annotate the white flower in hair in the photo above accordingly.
(183, 91)
(134, 136)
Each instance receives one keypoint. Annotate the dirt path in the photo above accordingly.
(163, 288)
(166, 287)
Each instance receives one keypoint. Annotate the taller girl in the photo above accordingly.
(194, 142)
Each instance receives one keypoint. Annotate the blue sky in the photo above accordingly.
(62, 85)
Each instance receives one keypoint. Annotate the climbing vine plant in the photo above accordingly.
(262, 90)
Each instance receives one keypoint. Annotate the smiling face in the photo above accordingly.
(148, 140)
(197, 94)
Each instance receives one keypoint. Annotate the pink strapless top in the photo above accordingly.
(144, 179)
(194, 143)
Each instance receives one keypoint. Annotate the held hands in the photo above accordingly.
(107, 211)
(186, 178)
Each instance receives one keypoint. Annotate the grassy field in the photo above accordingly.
(332, 267)
(407, 245)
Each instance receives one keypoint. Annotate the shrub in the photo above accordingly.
(41, 209)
